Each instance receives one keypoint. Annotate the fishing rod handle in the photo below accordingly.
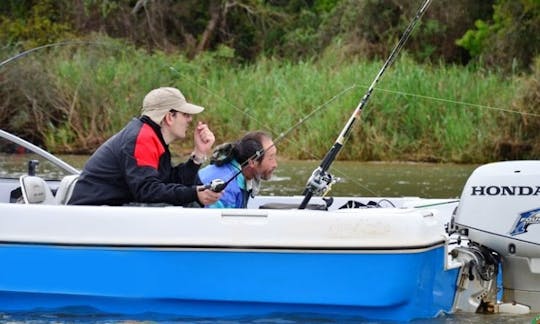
(216, 185)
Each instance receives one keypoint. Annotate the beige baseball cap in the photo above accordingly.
(158, 102)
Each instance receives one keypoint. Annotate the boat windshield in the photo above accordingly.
(16, 153)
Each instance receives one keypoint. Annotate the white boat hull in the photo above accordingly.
(380, 263)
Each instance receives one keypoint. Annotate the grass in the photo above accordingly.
(416, 112)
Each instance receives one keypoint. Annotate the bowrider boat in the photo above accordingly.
(386, 258)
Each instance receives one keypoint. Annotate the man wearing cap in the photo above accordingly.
(134, 165)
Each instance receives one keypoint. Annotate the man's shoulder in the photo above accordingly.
(211, 168)
(130, 132)
(142, 135)
(213, 171)
(141, 130)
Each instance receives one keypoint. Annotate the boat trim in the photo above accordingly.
(267, 248)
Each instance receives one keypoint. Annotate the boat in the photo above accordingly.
(375, 258)
(378, 258)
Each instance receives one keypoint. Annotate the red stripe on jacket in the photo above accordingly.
(148, 148)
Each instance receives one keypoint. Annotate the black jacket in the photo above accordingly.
(135, 166)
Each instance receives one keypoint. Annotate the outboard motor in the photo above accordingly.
(500, 209)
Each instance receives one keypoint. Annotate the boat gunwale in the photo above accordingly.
(234, 248)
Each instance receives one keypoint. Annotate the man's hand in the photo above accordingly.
(207, 196)
(204, 139)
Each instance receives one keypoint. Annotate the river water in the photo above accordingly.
(391, 179)
(375, 179)
(356, 179)
(88, 318)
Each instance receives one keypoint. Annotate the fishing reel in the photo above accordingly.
(216, 185)
(320, 182)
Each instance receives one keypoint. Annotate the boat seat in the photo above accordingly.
(65, 189)
(36, 191)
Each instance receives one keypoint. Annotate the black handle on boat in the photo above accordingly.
(32, 166)
(320, 179)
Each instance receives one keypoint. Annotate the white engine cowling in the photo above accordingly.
(500, 209)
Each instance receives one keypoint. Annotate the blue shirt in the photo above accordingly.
(235, 195)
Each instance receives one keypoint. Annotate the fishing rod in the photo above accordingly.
(320, 179)
(24, 53)
(218, 185)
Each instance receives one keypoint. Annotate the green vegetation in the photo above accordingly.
(465, 89)
(496, 34)
(510, 39)
(83, 94)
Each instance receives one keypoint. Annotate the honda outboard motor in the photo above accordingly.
(500, 209)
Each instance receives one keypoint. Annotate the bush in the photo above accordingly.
(510, 40)
(41, 25)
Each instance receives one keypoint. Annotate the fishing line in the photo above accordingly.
(184, 77)
(456, 102)
(253, 118)
(461, 103)
(279, 138)
(219, 184)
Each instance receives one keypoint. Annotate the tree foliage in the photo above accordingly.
(496, 33)
(510, 39)
(31, 24)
